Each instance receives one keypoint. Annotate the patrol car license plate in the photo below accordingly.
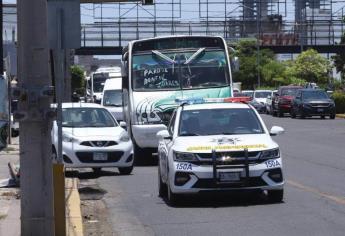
(100, 156)
(320, 110)
(229, 176)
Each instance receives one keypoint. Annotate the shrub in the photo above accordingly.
(339, 100)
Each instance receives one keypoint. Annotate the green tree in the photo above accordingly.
(248, 63)
(77, 78)
(273, 73)
(311, 67)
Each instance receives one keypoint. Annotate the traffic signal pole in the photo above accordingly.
(37, 214)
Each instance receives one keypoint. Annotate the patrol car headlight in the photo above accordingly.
(68, 138)
(184, 156)
(270, 154)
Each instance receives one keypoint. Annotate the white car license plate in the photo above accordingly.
(229, 176)
(320, 110)
(100, 156)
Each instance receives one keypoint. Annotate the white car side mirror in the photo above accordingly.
(163, 134)
(123, 124)
(276, 130)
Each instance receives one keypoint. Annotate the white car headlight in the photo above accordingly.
(184, 156)
(270, 154)
(68, 138)
(124, 138)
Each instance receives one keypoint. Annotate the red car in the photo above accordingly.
(281, 101)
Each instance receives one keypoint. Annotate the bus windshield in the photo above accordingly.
(98, 81)
(174, 70)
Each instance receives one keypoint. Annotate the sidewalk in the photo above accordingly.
(10, 203)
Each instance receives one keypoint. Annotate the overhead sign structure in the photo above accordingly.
(64, 24)
(144, 2)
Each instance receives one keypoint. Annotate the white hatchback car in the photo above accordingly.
(218, 146)
(91, 137)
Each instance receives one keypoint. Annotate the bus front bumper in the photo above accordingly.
(145, 135)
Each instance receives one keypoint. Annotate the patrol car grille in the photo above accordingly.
(236, 158)
(239, 154)
(209, 183)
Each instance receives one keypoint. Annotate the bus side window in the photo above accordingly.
(124, 70)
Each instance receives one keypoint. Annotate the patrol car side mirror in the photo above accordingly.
(123, 124)
(164, 134)
(276, 130)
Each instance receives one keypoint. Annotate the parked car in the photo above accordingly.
(269, 102)
(260, 107)
(261, 95)
(312, 102)
(91, 137)
(281, 102)
(248, 93)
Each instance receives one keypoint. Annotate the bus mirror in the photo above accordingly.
(125, 84)
(125, 56)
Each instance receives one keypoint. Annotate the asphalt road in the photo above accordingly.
(314, 161)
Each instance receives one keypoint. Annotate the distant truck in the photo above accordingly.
(3, 112)
(97, 80)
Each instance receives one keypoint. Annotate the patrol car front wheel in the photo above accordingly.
(173, 198)
(162, 187)
(275, 196)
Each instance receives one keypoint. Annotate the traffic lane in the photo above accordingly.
(133, 200)
(313, 152)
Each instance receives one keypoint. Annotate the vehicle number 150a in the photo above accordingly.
(183, 166)
(272, 164)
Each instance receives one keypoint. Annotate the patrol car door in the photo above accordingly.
(164, 148)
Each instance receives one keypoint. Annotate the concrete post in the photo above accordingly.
(37, 214)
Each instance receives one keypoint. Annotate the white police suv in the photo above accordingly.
(218, 146)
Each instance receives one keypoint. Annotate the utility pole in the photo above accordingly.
(37, 214)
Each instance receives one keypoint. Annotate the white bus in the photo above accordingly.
(98, 78)
(159, 71)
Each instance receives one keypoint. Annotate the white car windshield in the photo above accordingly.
(87, 117)
(219, 121)
(112, 98)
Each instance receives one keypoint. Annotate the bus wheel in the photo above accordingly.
(142, 156)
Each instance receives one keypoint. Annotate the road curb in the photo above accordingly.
(340, 116)
(74, 223)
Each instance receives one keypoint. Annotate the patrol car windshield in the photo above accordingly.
(176, 70)
(218, 122)
(87, 117)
